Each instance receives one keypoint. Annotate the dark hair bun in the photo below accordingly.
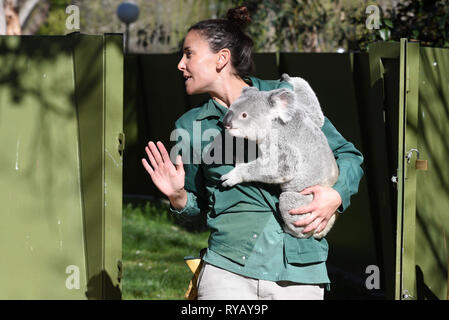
(239, 16)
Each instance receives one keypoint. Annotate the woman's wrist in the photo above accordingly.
(178, 199)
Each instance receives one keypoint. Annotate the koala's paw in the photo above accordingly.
(231, 179)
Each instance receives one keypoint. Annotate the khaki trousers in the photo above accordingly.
(218, 284)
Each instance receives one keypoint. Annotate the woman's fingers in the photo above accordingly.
(313, 226)
(306, 221)
(320, 227)
(151, 157)
(160, 159)
(304, 209)
(155, 152)
(164, 153)
(179, 164)
(147, 167)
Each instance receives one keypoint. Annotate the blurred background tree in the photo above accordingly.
(22, 16)
(54, 23)
(161, 26)
(424, 20)
(277, 25)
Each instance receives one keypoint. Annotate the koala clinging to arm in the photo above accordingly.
(293, 150)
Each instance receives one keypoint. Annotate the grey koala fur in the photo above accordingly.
(293, 150)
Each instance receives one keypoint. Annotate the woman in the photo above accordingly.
(249, 255)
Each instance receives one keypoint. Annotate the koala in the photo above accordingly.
(292, 149)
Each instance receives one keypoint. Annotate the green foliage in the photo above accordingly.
(55, 23)
(423, 20)
(279, 25)
(154, 248)
(314, 26)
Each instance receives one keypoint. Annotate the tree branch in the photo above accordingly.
(26, 10)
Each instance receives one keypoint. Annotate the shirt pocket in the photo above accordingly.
(305, 251)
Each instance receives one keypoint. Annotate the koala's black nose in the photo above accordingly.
(227, 120)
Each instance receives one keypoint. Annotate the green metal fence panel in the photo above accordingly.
(432, 194)
(378, 109)
(414, 87)
(408, 108)
(56, 238)
(114, 145)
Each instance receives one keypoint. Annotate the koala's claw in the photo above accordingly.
(230, 179)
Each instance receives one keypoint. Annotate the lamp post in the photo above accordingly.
(127, 12)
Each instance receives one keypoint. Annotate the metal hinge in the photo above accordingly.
(119, 270)
(121, 143)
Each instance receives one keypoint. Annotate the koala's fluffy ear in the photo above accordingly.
(285, 77)
(282, 102)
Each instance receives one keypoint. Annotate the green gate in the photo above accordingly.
(415, 85)
(61, 166)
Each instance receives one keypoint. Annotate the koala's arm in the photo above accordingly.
(349, 161)
(269, 167)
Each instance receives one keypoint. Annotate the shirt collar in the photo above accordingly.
(215, 109)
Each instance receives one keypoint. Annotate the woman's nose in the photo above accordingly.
(181, 64)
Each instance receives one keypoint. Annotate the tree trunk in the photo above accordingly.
(36, 17)
(25, 11)
(2, 19)
(12, 17)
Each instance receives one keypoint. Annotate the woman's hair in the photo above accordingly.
(228, 33)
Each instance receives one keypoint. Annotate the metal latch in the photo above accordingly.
(420, 164)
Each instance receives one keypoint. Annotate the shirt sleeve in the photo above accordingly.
(194, 185)
(348, 159)
(191, 208)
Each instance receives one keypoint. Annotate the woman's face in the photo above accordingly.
(198, 64)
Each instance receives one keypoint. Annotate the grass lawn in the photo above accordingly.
(154, 247)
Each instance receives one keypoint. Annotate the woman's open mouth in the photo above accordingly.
(187, 78)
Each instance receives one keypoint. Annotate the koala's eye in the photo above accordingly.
(244, 115)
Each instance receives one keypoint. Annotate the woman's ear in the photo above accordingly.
(223, 57)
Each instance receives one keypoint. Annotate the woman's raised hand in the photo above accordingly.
(168, 178)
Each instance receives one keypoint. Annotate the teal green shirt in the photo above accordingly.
(246, 228)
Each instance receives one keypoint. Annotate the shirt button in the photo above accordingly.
(244, 258)
(254, 236)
